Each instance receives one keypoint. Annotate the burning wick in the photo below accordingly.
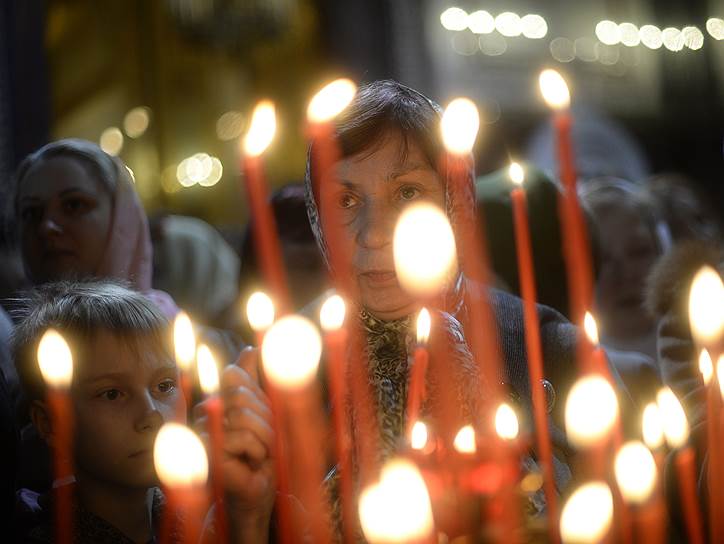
(465, 440)
(331, 315)
(587, 514)
(262, 129)
(635, 471)
(208, 370)
(184, 341)
(706, 366)
(676, 427)
(180, 457)
(260, 311)
(653, 427)
(516, 173)
(706, 306)
(418, 437)
(460, 124)
(55, 360)
(290, 352)
(554, 89)
(506, 422)
(591, 329)
(331, 100)
(591, 410)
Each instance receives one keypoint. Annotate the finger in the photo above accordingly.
(249, 360)
(243, 418)
(234, 376)
(243, 397)
(244, 443)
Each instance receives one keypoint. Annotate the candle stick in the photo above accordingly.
(416, 392)
(290, 357)
(533, 345)
(586, 516)
(184, 342)
(209, 381)
(182, 468)
(56, 365)
(676, 431)
(257, 139)
(331, 317)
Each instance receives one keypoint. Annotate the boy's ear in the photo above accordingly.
(41, 420)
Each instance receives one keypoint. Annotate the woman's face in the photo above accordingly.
(371, 191)
(65, 216)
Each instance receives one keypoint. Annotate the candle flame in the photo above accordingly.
(184, 341)
(506, 422)
(262, 129)
(554, 89)
(720, 373)
(331, 100)
(55, 360)
(516, 173)
(331, 315)
(180, 457)
(652, 426)
(676, 427)
(424, 250)
(290, 352)
(460, 125)
(260, 311)
(418, 436)
(207, 369)
(589, 325)
(586, 516)
(706, 366)
(465, 440)
(635, 471)
(591, 410)
(423, 326)
(706, 305)
(397, 508)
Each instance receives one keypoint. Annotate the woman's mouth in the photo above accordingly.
(380, 277)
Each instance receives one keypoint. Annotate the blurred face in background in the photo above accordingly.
(64, 219)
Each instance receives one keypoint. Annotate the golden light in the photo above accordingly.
(465, 440)
(651, 36)
(55, 360)
(508, 24)
(424, 250)
(481, 22)
(652, 426)
(591, 410)
(534, 26)
(676, 427)
(720, 373)
(516, 173)
(111, 141)
(506, 422)
(706, 305)
(693, 37)
(635, 471)
(587, 514)
(136, 121)
(214, 173)
(424, 323)
(180, 457)
(262, 129)
(184, 341)
(418, 436)
(460, 124)
(672, 38)
(331, 100)
(715, 28)
(706, 366)
(554, 89)
(290, 352)
(229, 125)
(331, 315)
(397, 509)
(259, 311)
(208, 370)
(591, 329)
(629, 33)
(454, 19)
(608, 32)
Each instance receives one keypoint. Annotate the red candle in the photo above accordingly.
(185, 351)
(416, 393)
(56, 365)
(686, 471)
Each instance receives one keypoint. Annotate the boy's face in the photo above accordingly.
(121, 400)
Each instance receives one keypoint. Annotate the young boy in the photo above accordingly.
(124, 388)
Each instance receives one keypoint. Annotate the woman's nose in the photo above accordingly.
(376, 226)
(149, 418)
(50, 226)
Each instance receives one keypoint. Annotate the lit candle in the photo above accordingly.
(56, 365)
(575, 243)
(331, 318)
(184, 342)
(209, 381)
(416, 393)
(290, 358)
(652, 428)
(255, 142)
(533, 343)
(260, 314)
(183, 469)
(586, 516)
(676, 431)
(397, 508)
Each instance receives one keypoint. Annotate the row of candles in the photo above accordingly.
(395, 504)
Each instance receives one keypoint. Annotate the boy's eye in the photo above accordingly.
(111, 394)
(409, 193)
(167, 386)
(347, 201)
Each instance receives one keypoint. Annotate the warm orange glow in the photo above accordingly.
(706, 366)
(652, 426)
(184, 341)
(516, 173)
(591, 410)
(331, 100)
(720, 373)
(424, 250)
(207, 369)
(262, 129)
(460, 125)
(397, 509)
(676, 427)
(554, 89)
(180, 457)
(465, 440)
(260, 311)
(331, 315)
(423, 326)
(290, 352)
(706, 305)
(589, 325)
(635, 471)
(587, 514)
(506, 422)
(55, 360)
(418, 437)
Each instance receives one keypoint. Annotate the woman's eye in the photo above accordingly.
(75, 205)
(347, 201)
(111, 394)
(167, 386)
(409, 193)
